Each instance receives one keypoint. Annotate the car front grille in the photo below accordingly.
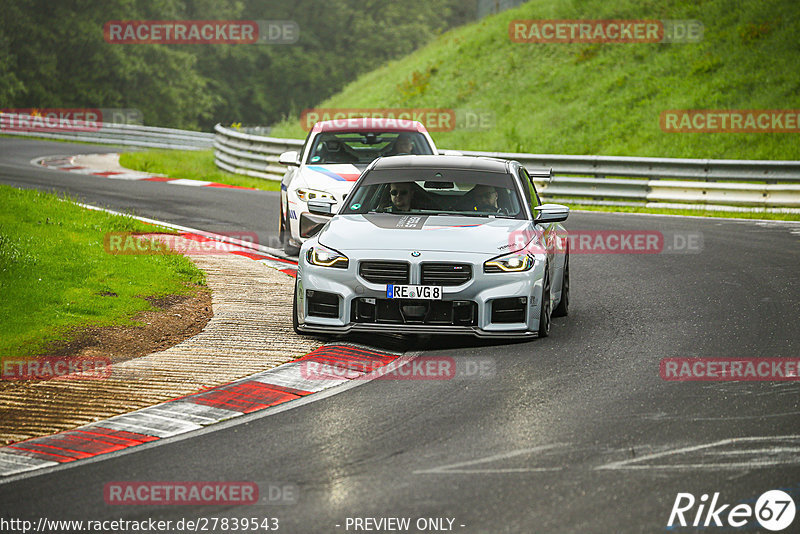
(446, 274)
(410, 311)
(385, 272)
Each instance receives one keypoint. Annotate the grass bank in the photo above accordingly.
(192, 165)
(55, 275)
(606, 99)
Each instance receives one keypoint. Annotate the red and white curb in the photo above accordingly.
(185, 414)
(210, 245)
(101, 165)
(257, 392)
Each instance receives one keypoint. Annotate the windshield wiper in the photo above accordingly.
(462, 214)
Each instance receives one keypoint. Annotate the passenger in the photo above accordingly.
(335, 152)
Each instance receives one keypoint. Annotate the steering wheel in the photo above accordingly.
(491, 209)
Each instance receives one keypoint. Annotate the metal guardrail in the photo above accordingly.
(104, 133)
(612, 180)
(251, 155)
(577, 179)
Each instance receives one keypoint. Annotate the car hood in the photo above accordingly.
(336, 179)
(333, 178)
(383, 231)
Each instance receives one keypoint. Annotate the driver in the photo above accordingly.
(485, 199)
(403, 145)
(401, 195)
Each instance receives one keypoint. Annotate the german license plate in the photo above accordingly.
(398, 291)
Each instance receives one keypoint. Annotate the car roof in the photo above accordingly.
(443, 162)
(376, 124)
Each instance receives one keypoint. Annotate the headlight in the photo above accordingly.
(326, 257)
(308, 194)
(510, 263)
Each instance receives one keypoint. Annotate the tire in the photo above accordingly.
(562, 310)
(290, 249)
(281, 228)
(544, 310)
(286, 237)
(295, 322)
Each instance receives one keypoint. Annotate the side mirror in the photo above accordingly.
(290, 158)
(541, 175)
(321, 206)
(551, 213)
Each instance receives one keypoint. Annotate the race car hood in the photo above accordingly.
(383, 231)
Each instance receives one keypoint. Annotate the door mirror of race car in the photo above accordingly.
(551, 213)
(321, 206)
(290, 158)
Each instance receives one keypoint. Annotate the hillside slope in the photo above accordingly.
(580, 98)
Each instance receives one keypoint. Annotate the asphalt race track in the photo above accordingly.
(255, 211)
(572, 433)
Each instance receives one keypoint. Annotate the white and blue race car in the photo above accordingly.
(331, 160)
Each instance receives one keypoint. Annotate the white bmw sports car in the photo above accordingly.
(331, 160)
(436, 245)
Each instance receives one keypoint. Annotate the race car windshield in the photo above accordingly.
(363, 147)
(451, 192)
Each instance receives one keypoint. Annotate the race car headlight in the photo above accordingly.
(510, 263)
(309, 194)
(326, 257)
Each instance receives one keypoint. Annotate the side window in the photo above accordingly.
(530, 194)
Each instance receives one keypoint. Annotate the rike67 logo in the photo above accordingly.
(774, 510)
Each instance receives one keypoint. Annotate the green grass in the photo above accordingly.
(54, 271)
(600, 99)
(192, 165)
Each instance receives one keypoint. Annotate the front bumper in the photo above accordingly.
(303, 224)
(413, 330)
(333, 301)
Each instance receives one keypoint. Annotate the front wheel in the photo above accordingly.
(290, 249)
(563, 306)
(295, 322)
(544, 309)
(286, 237)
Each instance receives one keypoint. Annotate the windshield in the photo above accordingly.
(444, 192)
(363, 147)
